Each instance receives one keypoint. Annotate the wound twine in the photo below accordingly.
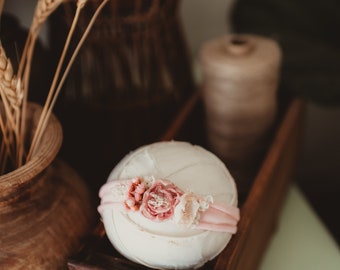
(240, 76)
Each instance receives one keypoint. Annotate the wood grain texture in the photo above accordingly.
(259, 213)
(45, 208)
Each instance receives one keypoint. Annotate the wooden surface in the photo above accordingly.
(259, 209)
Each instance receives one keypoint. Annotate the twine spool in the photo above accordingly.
(240, 75)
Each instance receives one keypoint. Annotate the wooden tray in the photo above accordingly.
(259, 208)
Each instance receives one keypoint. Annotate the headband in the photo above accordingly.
(161, 200)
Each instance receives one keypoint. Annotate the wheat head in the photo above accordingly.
(9, 84)
(43, 10)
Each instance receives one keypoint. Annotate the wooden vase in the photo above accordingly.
(45, 208)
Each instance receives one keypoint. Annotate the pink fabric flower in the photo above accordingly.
(135, 194)
(160, 200)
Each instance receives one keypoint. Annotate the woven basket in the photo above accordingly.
(131, 76)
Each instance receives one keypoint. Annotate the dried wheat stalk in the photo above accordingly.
(11, 95)
(43, 10)
(9, 82)
(14, 88)
(55, 90)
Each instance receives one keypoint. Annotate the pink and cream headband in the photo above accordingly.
(161, 200)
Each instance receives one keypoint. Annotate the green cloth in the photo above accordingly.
(301, 242)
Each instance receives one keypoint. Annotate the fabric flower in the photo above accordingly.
(188, 210)
(135, 194)
(160, 200)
